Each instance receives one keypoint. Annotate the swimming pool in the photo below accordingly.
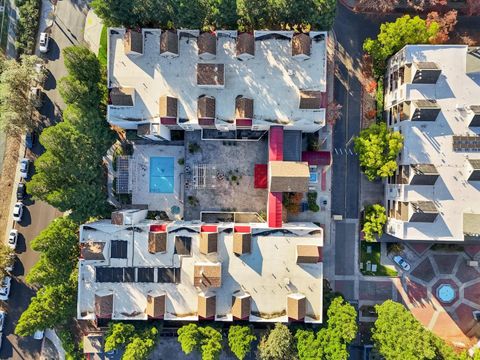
(161, 175)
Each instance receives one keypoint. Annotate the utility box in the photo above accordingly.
(337, 217)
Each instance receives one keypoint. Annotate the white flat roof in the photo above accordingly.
(431, 142)
(273, 78)
(269, 273)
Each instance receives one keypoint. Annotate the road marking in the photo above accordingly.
(336, 152)
(350, 150)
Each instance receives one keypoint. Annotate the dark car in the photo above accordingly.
(29, 139)
(21, 191)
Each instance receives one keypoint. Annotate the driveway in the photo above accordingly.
(39, 214)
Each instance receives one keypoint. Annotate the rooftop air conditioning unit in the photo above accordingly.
(460, 107)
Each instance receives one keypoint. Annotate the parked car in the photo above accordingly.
(401, 262)
(12, 265)
(3, 314)
(29, 139)
(18, 211)
(24, 165)
(12, 238)
(21, 191)
(43, 43)
(5, 288)
(36, 96)
(38, 335)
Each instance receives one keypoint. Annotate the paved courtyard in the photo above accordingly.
(450, 316)
(225, 171)
(140, 178)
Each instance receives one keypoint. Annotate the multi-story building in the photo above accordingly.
(137, 269)
(241, 103)
(432, 96)
(165, 80)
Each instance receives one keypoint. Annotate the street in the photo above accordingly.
(39, 214)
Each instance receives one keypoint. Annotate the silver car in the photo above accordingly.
(401, 262)
(43, 43)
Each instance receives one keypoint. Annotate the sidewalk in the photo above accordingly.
(93, 31)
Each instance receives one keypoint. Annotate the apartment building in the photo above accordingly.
(432, 96)
(163, 80)
(137, 269)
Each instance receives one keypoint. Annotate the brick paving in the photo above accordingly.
(424, 271)
(375, 290)
(472, 293)
(445, 263)
(466, 273)
(346, 288)
(451, 321)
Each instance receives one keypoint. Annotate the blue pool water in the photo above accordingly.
(161, 175)
(313, 177)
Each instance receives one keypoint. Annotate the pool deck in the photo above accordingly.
(140, 178)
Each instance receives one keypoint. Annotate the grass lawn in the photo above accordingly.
(102, 51)
(374, 258)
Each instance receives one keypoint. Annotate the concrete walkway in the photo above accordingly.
(93, 31)
(57, 343)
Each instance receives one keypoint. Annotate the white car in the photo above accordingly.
(5, 288)
(24, 165)
(2, 319)
(401, 262)
(12, 238)
(38, 335)
(43, 43)
(18, 211)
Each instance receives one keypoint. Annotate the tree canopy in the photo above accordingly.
(378, 148)
(218, 14)
(16, 104)
(240, 340)
(56, 271)
(278, 344)
(58, 247)
(52, 306)
(6, 259)
(330, 343)
(137, 341)
(375, 219)
(394, 36)
(203, 339)
(398, 335)
(69, 173)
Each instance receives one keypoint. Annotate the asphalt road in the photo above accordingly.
(351, 29)
(39, 214)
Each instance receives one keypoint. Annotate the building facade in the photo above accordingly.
(432, 96)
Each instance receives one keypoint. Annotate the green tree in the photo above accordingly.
(378, 148)
(117, 335)
(240, 340)
(6, 259)
(58, 245)
(278, 344)
(69, 173)
(53, 305)
(27, 25)
(16, 104)
(205, 340)
(374, 221)
(394, 36)
(141, 344)
(331, 342)
(398, 335)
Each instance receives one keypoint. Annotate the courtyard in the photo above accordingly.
(442, 291)
(219, 175)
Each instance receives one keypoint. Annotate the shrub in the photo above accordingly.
(374, 221)
(312, 201)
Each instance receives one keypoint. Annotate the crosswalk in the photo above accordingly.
(344, 152)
